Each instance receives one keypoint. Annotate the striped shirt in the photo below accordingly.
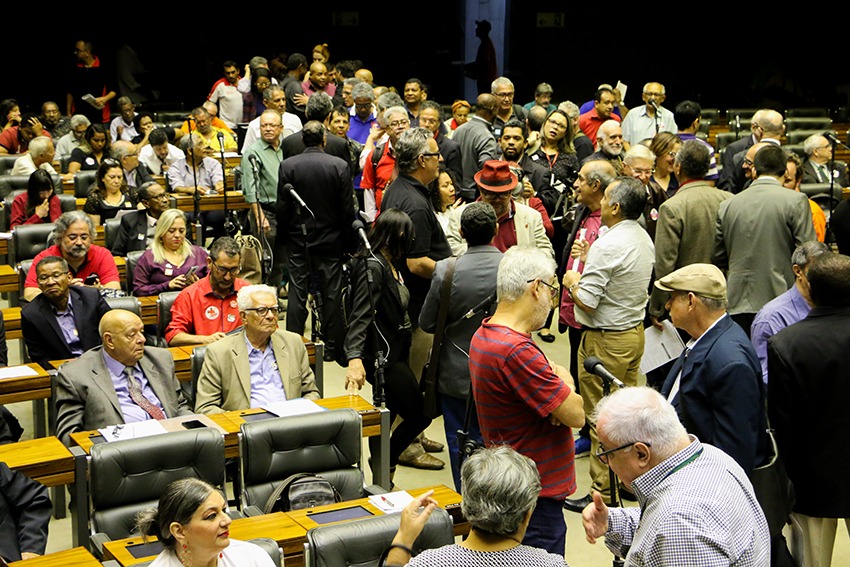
(698, 509)
(515, 390)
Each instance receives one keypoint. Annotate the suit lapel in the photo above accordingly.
(158, 386)
(700, 351)
(102, 379)
(239, 354)
(281, 356)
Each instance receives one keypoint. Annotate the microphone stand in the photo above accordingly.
(196, 195)
(268, 253)
(614, 500)
(231, 223)
(833, 142)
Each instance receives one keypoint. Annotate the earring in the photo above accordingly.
(185, 556)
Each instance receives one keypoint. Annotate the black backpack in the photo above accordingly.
(299, 491)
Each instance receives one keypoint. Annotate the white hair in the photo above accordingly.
(639, 151)
(500, 82)
(40, 146)
(812, 143)
(519, 265)
(245, 295)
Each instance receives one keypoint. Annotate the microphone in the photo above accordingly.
(483, 305)
(831, 137)
(255, 163)
(654, 104)
(358, 226)
(737, 122)
(593, 365)
(220, 137)
(294, 194)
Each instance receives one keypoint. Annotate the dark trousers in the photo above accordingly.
(454, 412)
(327, 274)
(276, 278)
(547, 528)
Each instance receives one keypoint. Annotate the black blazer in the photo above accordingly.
(334, 146)
(450, 151)
(731, 177)
(839, 169)
(41, 331)
(25, 511)
(132, 233)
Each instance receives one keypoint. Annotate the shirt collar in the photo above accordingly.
(643, 485)
(113, 365)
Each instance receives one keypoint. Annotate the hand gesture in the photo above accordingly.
(43, 210)
(355, 376)
(594, 518)
(178, 282)
(413, 519)
(580, 249)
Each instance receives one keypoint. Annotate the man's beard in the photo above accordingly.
(77, 251)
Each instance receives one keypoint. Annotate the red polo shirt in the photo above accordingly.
(199, 311)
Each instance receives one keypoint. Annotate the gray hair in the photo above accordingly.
(713, 304)
(363, 90)
(693, 159)
(388, 100)
(122, 148)
(123, 101)
(258, 61)
(639, 152)
(319, 106)
(807, 251)
(385, 115)
(519, 265)
(641, 414)
(224, 245)
(177, 504)
(499, 487)
(812, 143)
(601, 171)
(40, 146)
(663, 89)
(191, 141)
(570, 108)
(245, 295)
(412, 143)
(269, 92)
(770, 121)
(65, 220)
(500, 82)
(352, 81)
(78, 120)
(630, 194)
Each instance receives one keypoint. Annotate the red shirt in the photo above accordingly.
(379, 177)
(19, 211)
(98, 261)
(199, 311)
(515, 390)
(9, 140)
(590, 121)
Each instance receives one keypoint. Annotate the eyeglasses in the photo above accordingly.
(263, 311)
(399, 123)
(44, 278)
(602, 454)
(552, 289)
(504, 95)
(430, 154)
(232, 271)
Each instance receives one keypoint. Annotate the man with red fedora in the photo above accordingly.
(518, 223)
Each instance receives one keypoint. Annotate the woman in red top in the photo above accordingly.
(39, 203)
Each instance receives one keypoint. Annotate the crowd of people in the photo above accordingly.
(446, 242)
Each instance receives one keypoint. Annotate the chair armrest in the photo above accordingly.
(250, 511)
(97, 541)
(373, 489)
(235, 514)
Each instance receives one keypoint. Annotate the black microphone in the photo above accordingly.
(220, 137)
(255, 163)
(593, 365)
(654, 104)
(481, 306)
(358, 226)
(831, 137)
(288, 187)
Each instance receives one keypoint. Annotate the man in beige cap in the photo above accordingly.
(716, 384)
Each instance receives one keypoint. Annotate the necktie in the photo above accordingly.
(824, 176)
(138, 398)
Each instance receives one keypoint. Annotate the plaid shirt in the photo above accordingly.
(698, 509)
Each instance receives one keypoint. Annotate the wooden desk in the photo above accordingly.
(46, 460)
(25, 388)
(12, 321)
(8, 279)
(78, 557)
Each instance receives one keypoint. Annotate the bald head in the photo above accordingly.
(364, 75)
(486, 106)
(123, 336)
(115, 320)
(768, 123)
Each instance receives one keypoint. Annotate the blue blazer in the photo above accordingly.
(721, 395)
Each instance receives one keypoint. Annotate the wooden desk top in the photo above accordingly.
(8, 279)
(78, 556)
(279, 527)
(25, 388)
(46, 460)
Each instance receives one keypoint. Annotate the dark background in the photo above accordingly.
(725, 57)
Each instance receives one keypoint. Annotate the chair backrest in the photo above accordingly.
(799, 136)
(23, 269)
(110, 232)
(67, 202)
(710, 114)
(83, 181)
(325, 443)
(129, 476)
(804, 112)
(128, 303)
(361, 542)
(7, 209)
(197, 363)
(28, 240)
(163, 314)
(10, 183)
(7, 162)
(270, 546)
(132, 260)
(808, 123)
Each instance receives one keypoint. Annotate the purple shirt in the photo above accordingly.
(131, 411)
(713, 174)
(777, 314)
(150, 278)
(69, 328)
(266, 385)
(359, 129)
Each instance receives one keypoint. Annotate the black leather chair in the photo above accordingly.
(327, 443)
(7, 162)
(83, 182)
(132, 260)
(129, 476)
(9, 183)
(66, 203)
(110, 232)
(799, 136)
(196, 362)
(28, 240)
(808, 123)
(163, 314)
(361, 542)
(708, 115)
(128, 303)
(812, 112)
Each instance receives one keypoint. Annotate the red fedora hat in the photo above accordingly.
(496, 176)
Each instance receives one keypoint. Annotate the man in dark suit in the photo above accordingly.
(807, 363)
(61, 322)
(767, 126)
(24, 516)
(319, 108)
(136, 228)
(121, 382)
(816, 166)
(324, 184)
(473, 282)
(716, 384)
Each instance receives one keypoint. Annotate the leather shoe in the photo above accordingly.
(431, 446)
(423, 461)
(546, 337)
(578, 504)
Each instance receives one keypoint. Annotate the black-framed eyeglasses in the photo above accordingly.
(263, 311)
(552, 289)
(232, 271)
(602, 454)
(430, 154)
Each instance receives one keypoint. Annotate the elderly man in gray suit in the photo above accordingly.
(473, 283)
(757, 231)
(122, 381)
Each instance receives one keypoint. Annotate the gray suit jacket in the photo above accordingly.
(684, 233)
(474, 280)
(756, 233)
(86, 399)
(225, 380)
(477, 145)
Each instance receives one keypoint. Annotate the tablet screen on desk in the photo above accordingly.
(258, 416)
(142, 550)
(340, 515)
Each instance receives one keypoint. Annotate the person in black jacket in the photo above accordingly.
(25, 510)
(379, 323)
(136, 229)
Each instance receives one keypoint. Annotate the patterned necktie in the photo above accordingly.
(138, 398)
